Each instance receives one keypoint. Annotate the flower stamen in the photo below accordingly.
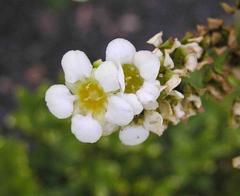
(91, 96)
(133, 80)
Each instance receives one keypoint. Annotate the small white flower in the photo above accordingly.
(168, 62)
(194, 48)
(176, 44)
(137, 70)
(158, 52)
(92, 98)
(196, 39)
(153, 122)
(156, 40)
(191, 62)
(187, 55)
(149, 93)
(133, 135)
(172, 83)
(176, 94)
(178, 110)
(196, 100)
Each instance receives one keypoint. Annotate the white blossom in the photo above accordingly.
(156, 40)
(153, 122)
(140, 69)
(90, 97)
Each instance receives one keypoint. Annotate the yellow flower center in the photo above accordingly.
(92, 97)
(133, 80)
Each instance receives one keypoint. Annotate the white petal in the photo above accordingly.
(76, 66)
(120, 51)
(197, 100)
(133, 135)
(59, 101)
(153, 105)
(121, 78)
(172, 83)
(176, 44)
(148, 64)
(156, 40)
(192, 62)
(194, 48)
(134, 103)
(109, 128)
(168, 62)
(119, 112)
(158, 52)
(153, 122)
(176, 94)
(149, 92)
(178, 110)
(196, 39)
(107, 75)
(86, 129)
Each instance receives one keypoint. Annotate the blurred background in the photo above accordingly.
(38, 153)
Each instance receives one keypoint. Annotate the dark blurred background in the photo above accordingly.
(38, 153)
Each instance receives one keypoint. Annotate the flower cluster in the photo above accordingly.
(132, 92)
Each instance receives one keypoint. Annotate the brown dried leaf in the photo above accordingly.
(232, 39)
(215, 23)
(236, 72)
(214, 92)
(220, 51)
(228, 8)
(216, 38)
(202, 30)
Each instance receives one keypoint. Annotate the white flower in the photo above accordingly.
(191, 62)
(176, 44)
(168, 62)
(153, 122)
(156, 40)
(194, 48)
(182, 55)
(158, 52)
(149, 93)
(176, 94)
(139, 71)
(92, 98)
(172, 83)
(133, 135)
(178, 110)
(196, 101)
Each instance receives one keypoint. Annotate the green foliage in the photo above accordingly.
(15, 174)
(189, 159)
